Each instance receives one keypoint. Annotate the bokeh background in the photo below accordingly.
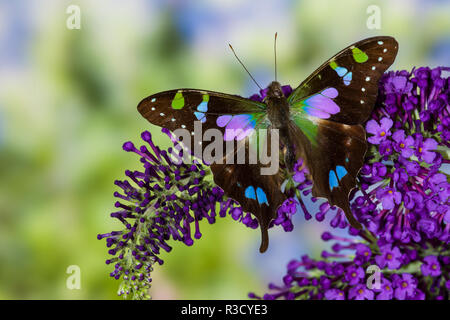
(68, 101)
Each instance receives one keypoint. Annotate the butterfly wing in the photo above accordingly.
(258, 191)
(329, 108)
(240, 178)
(180, 108)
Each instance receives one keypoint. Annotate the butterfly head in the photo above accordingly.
(274, 91)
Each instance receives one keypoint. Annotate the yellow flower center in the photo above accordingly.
(390, 191)
(404, 284)
(354, 274)
(388, 288)
(382, 134)
(389, 256)
(402, 145)
(360, 291)
(420, 149)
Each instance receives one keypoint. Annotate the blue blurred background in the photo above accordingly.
(68, 101)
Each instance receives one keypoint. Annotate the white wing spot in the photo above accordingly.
(380, 58)
(173, 119)
(192, 133)
(362, 101)
(153, 108)
(384, 50)
(380, 42)
(367, 78)
(348, 141)
(183, 126)
(162, 114)
(154, 99)
(363, 89)
(373, 68)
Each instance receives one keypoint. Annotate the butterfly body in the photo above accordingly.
(319, 122)
(279, 116)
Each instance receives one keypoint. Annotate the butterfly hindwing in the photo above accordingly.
(257, 193)
(333, 158)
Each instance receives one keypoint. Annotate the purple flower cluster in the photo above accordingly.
(402, 199)
(404, 192)
(366, 271)
(166, 201)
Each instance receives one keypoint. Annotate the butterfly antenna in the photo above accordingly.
(244, 67)
(275, 51)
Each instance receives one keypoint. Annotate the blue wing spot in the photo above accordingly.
(332, 180)
(341, 172)
(203, 106)
(262, 198)
(250, 193)
(341, 71)
(200, 116)
(347, 78)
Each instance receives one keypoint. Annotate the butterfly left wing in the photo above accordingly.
(256, 193)
(328, 108)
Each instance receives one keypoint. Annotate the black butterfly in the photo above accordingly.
(320, 121)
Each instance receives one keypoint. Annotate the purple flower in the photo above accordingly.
(299, 171)
(398, 85)
(386, 148)
(360, 292)
(379, 170)
(363, 253)
(403, 145)
(390, 257)
(423, 149)
(380, 131)
(334, 294)
(431, 266)
(386, 290)
(354, 274)
(405, 286)
(389, 197)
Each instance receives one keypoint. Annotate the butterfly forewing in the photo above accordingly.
(354, 73)
(175, 109)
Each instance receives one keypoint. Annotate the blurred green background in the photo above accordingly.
(68, 101)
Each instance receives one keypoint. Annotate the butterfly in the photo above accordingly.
(319, 122)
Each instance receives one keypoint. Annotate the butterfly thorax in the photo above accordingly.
(277, 106)
(278, 114)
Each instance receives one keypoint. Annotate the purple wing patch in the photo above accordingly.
(236, 127)
(321, 105)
